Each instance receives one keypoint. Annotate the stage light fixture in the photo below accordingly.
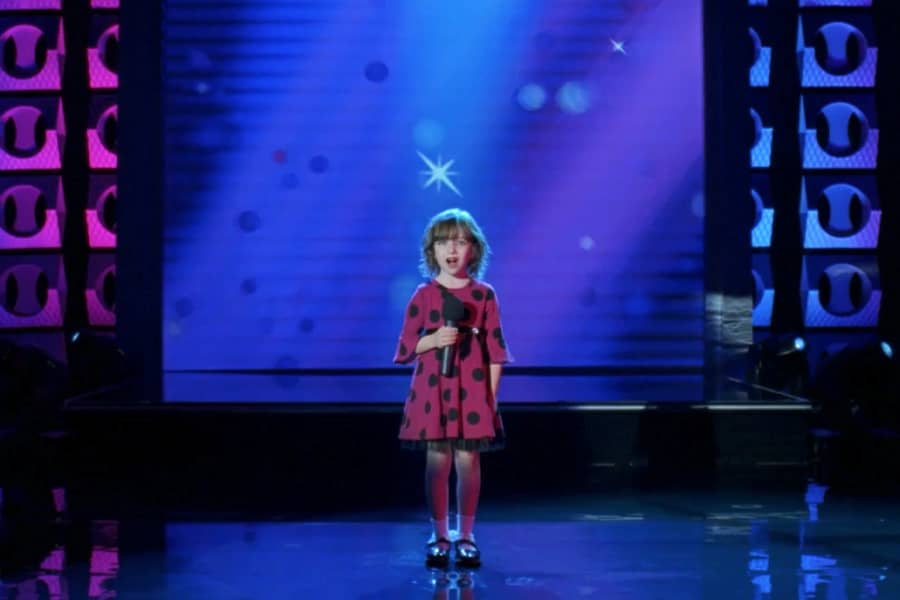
(778, 368)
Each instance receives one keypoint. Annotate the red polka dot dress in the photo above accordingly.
(459, 408)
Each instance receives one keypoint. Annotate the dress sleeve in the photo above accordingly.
(413, 321)
(496, 343)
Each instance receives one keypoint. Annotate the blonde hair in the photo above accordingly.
(445, 225)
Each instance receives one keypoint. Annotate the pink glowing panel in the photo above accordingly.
(100, 213)
(104, 3)
(55, 561)
(32, 143)
(26, 232)
(98, 586)
(28, 75)
(98, 235)
(27, 275)
(104, 561)
(53, 584)
(101, 278)
(48, 159)
(14, 5)
(59, 499)
(98, 314)
(101, 78)
(101, 154)
(100, 157)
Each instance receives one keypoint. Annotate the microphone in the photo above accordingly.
(453, 311)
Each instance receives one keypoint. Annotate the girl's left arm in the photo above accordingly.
(496, 343)
(496, 372)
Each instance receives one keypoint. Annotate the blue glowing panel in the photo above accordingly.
(763, 211)
(761, 151)
(838, 134)
(843, 213)
(836, 53)
(817, 3)
(763, 290)
(307, 145)
(843, 291)
(759, 71)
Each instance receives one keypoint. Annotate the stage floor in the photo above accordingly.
(634, 545)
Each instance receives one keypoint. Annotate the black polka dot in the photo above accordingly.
(478, 294)
(446, 395)
(422, 435)
(490, 294)
(420, 367)
(427, 407)
(453, 414)
(249, 221)
(412, 395)
(498, 335)
(443, 420)
(434, 316)
(462, 394)
(473, 418)
(432, 380)
(478, 374)
(403, 349)
(376, 71)
(413, 310)
(318, 164)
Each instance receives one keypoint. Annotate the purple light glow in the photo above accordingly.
(48, 159)
(610, 168)
(98, 235)
(99, 75)
(99, 156)
(23, 153)
(101, 310)
(26, 38)
(26, 196)
(28, 310)
(16, 5)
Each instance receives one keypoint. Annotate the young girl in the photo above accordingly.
(453, 415)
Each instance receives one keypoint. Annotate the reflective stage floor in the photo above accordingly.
(809, 543)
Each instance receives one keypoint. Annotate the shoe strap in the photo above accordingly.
(439, 541)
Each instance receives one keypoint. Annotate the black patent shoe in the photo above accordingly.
(437, 553)
(467, 553)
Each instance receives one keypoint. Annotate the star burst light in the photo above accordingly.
(438, 173)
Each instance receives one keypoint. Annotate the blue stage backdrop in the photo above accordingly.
(307, 144)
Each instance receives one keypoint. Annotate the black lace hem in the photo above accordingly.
(479, 444)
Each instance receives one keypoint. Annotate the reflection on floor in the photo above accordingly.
(618, 545)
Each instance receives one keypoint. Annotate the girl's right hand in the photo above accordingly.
(445, 336)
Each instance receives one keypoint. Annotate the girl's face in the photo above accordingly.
(454, 254)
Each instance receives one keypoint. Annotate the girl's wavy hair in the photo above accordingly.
(446, 225)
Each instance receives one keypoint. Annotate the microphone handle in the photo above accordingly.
(447, 355)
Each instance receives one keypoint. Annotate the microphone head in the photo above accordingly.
(452, 309)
